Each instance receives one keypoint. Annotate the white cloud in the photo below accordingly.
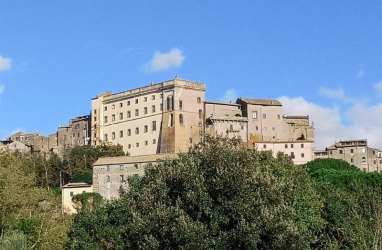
(378, 87)
(365, 121)
(360, 74)
(5, 63)
(164, 61)
(332, 93)
(230, 95)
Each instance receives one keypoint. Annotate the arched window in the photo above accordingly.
(363, 159)
(181, 119)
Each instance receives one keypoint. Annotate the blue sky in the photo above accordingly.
(322, 58)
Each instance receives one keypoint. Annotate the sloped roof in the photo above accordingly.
(262, 102)
(132, 159)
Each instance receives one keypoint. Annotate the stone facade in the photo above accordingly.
(355, 152)
(111, 173)
(261, 124)
(159, 118)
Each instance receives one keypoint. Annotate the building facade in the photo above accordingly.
(111, 173)
(262, 125)
(355, 152)
(160, 118)
(69, 191)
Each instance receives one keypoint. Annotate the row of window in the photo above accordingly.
(169, 103)
(122, 167)
(254, 115)
(121, 132)
(121, 178)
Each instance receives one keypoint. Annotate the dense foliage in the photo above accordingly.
(353, 204)
(29, 212)
(218, 195)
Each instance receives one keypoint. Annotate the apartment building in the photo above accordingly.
(355, 152)
(110, 173)
(159, 118)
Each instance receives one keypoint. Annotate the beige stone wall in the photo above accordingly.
(301, 152)
(128, 118)
(41, 145)
(64, 140)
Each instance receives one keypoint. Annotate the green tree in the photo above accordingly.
(352, 204)
(79, 161)
(218, 195)
(29, 213)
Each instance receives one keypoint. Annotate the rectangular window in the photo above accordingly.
(113, 106)
(302, 145)
(108, 168)
(136, 165)
(145, 99)
(291, 146)
(136, 101)
(153, 109)
(105, 108)
(121, 178)
(286, 145)
(145, 128)
(146, 143)
(278, 117)
(136, 130)
(257, 127)
(128, 146)
(292, 155)
(128, 103)
(154, 141)
(180, 105)
(112, 118)
(264, 116)
(121, 116)
(120, 104)
(95, 118)
(95, 111)
(145, 110)
(264, 146)
(105, 137)
(199, 100)
(136, 112)
(113, 136)
(341, 151)
(128, 132)
(351, 150)
(153, 97)
(105, 119)
(254, 114)
(121, 133)
(137, 144)
(121, 167)
(128, 114)
(154, 125)
(302, 155)
(71, 194)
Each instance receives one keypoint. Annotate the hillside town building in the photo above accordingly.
(110, 173)
(355, 152)
(171, 116)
